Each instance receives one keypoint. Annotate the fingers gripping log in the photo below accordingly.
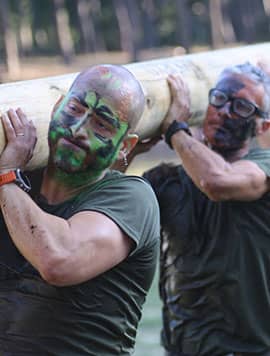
(199, 71)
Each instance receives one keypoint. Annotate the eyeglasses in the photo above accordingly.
(240, 107)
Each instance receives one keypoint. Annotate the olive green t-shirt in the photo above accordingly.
(97, 317)
(215, 268)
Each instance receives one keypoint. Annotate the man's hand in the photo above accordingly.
(180, 106)
(21, 139)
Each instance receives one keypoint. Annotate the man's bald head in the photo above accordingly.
(117, 86)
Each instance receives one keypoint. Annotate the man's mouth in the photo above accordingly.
(221, 134)
(222, 129)
(75, 143)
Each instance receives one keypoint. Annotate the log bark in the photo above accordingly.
(199, 71)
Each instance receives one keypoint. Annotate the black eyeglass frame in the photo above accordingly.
(234, 101)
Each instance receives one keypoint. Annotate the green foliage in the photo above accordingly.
(162, 27)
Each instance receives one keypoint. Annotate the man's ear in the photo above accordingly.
(263, 133)
(129, 143)
(57, 104)
(127, 146)
(266, 125)
(263, 126)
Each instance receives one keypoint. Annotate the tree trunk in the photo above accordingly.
(266, 6)
(10, 42)
(86, 23)
(216, 20)
(199, 71)
(127, 17)
(134, 15)
(63, 31)
(25, 34)
(229, 34)
(183, 30)
(149, 23)
(243, 20)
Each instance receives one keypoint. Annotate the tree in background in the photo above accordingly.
(71, 27)
(63, 30)
(9, 40)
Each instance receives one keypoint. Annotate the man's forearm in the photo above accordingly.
(29, 227)
(200, 162)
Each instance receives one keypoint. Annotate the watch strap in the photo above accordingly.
(174, 127)
(17, 177)
(8, 177)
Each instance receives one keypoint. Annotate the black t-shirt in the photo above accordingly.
(215, 268)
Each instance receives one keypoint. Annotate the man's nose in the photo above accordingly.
(78, 127)
(226, 109)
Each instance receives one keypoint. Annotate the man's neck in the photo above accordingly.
(233, 155)
(229, 155)
(56, 191)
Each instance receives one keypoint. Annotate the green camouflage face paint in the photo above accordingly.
(81, 145)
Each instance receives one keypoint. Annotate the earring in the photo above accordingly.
(125, 160)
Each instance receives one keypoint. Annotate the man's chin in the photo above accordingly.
(225, 149)
(66, 168)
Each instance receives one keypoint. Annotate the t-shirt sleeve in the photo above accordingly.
(131, 203)
(261, 157)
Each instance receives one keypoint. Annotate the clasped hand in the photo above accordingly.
(21, 138)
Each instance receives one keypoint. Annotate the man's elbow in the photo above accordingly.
(214, 190)
(54, 271)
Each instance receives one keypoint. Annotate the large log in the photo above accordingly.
(199, 71)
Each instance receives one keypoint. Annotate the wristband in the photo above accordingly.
(17, 177)
(174, 127)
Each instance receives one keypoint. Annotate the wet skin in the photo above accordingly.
(224, 130)
(84, 137)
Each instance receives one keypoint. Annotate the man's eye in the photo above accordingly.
(103, 126)
(74, 108)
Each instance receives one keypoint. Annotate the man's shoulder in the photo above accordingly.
(166, 176)
(260, 156)
(116, 178)
(122, 187)
(257, 152)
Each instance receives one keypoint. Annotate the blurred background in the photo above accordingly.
(41, 38)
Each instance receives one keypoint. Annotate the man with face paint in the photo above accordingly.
(77, 260)
(215, 226)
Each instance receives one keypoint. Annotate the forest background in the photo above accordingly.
(41, 38)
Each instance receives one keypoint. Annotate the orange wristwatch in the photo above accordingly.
(16, 177)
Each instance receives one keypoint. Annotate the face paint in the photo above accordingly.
(224, 130)
(233, 133)
(84, 137)
(231, 86)
(107, 75)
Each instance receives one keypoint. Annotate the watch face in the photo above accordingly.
(22, 181)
